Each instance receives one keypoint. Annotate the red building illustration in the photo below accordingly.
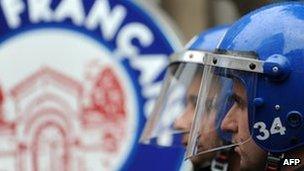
(53, 130)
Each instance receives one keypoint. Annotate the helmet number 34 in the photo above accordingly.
(276, 127)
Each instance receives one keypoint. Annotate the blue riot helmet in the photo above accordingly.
(171, 118)
(263, 55)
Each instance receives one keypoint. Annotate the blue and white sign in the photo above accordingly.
(77, 80)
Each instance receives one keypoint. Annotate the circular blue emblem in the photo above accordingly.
(78, 79)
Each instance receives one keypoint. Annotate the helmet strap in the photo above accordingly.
(274, 161)
(220, 162)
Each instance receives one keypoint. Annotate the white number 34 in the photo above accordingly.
(276, 128)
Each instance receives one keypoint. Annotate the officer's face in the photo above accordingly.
(208, 135)
(207, 138)
(236, 122)
(183, 123)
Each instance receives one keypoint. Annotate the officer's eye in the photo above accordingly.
(234, 98)
(191, 100)
(208, 105)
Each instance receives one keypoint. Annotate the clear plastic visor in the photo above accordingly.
(221, 110)
(171, 118)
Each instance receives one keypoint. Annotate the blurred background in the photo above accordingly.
(193, 16)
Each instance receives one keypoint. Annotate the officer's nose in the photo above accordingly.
(229, 123)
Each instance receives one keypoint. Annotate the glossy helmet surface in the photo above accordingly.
(209, 39)
(275, 33)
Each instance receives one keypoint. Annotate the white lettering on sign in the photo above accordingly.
(109, 22)
(94, 92)
(130, 32)
(39, 10)
(72, 9)
(12, 10)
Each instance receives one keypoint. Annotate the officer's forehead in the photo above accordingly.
(239, 88)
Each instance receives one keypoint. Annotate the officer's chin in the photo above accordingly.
(202, 160)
